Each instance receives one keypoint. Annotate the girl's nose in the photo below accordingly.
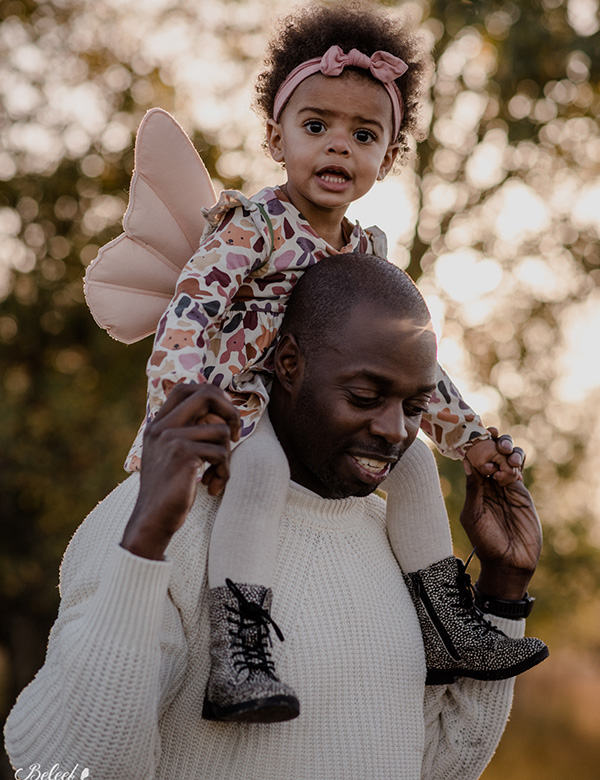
(338, 144)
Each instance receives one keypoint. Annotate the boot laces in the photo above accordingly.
(250, 635)
(466, 599)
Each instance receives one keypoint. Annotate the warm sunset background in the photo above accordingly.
(498, 220)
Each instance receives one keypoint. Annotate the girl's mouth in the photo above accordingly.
(333, 179)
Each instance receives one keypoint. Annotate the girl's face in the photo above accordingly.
(334, 136)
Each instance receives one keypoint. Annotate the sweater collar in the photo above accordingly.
(341, 513)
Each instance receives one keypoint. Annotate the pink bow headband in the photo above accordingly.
(383, 66)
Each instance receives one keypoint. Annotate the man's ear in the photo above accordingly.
(388, 161)
(275, 140)
(289, 362)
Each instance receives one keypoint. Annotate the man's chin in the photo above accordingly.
(360, 489)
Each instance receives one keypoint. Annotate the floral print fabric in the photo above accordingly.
(221, 324)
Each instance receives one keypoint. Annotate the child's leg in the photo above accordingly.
(458, 641)
(243, 544)
(417, 521)
(243, 685)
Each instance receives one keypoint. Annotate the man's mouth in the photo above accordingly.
(372, 469)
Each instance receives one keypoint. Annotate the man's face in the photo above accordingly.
(356, 405)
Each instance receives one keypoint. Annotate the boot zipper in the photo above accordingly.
(437, 623)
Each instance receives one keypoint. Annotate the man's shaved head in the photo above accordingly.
(354, 370)
(328, 291)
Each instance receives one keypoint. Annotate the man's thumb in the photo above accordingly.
(475, 480)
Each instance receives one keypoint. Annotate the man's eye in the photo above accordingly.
(415, 409)
(363, 400)
(314, 127)
(364, 136)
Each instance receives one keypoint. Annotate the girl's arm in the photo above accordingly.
(206, 287)
(450, 422)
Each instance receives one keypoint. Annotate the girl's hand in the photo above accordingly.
(497, 458)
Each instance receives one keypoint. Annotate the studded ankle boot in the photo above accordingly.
(459, 642)
(242, 685)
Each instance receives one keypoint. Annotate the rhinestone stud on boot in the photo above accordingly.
(243, 686)
(459, 641)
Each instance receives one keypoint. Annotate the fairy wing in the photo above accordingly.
(130, 283)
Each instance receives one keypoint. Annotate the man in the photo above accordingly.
(122, 688)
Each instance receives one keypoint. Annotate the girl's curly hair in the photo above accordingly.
(311, 29)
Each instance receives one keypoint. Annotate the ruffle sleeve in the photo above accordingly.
(379, 242)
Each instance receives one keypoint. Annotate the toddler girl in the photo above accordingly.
(340, 93)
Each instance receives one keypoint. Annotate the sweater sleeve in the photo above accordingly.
(235, 244)
(465, 721)
(116, 656)
(450, 422)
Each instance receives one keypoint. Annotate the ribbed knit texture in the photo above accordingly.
(417, 523)
(122, 688)
(243, 543)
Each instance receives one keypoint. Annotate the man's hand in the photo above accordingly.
(497, 458)
(503, 525)
(195, 425)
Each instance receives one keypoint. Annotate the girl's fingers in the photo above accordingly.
(505, 444)
(516, 455)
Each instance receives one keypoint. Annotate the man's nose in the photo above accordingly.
(390, 424)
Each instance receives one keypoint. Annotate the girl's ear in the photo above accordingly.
(388, 161)
(275, 140)
(289, 362)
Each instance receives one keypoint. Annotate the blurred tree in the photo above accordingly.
(72, 398)
(507, 238)
(504, 243)
(507, 242)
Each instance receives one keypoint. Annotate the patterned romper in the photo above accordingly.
(230, 299)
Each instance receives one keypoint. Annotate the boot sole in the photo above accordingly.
(271, 709)
(447, 676)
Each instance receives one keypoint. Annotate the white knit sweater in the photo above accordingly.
(122, 687)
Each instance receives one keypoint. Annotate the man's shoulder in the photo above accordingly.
(106, 523)
(101, 530)
(94, 541)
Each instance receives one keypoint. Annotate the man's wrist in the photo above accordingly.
(514, 609)
(503, 582)
(144, 544)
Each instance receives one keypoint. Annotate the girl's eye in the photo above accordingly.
(314, 127)
(364, 136)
